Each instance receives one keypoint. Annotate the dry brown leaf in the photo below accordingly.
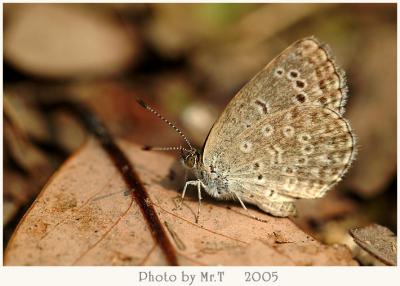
(377, 240)
(85, 216)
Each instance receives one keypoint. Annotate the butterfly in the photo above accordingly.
(281, 138)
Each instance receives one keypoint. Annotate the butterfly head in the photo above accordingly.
(191, 158)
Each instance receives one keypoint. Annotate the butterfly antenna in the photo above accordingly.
(151, 148)
(156, 113)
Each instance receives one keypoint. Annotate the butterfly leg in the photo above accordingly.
(240, 201)
(244, 206)
(184, 190)
(199, 184)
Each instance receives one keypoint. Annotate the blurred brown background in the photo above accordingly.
(187, 61)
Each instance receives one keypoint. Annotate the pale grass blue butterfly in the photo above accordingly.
(281, 138)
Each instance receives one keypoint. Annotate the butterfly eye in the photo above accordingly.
(190, 161)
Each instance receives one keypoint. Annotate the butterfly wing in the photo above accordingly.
(303, 74)
(299, 152)
(283, 135)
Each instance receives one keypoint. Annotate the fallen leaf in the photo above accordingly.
(86, 216)
(377, 240)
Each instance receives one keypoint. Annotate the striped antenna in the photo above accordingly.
(156, 113)
(151, 148)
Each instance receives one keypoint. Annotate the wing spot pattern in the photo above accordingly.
(267, 130)
(246, 147)
(288, 131)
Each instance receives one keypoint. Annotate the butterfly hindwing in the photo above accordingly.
(267, 200)
(299, 152)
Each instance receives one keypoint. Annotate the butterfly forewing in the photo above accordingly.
(303, 74)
